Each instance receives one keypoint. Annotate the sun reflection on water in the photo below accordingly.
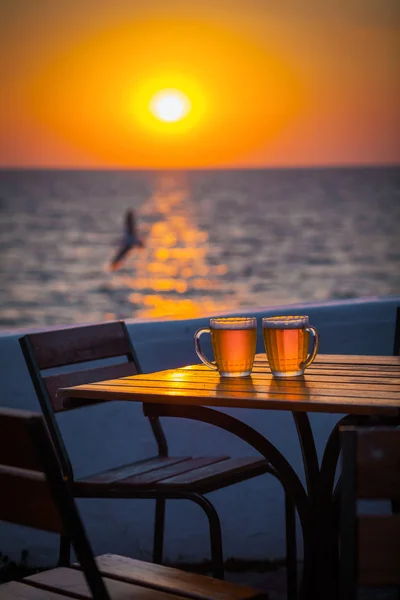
(174, 263)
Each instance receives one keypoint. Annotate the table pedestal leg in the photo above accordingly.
(317, 507)
(281, 469)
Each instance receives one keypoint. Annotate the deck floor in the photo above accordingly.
(274, 582)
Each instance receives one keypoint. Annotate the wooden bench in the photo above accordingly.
(34, 493)
(369, 543)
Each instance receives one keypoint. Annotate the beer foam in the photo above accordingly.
(233, 323)
(286, 322)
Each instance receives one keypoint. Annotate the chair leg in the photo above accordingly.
(217, 559)
(291, 550)
(336, 507)
(64, 557)
(159, 525)
(396, 509)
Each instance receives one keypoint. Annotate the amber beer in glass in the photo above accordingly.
(286, 342)
(234, 345)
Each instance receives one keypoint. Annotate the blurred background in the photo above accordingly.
(256, 142)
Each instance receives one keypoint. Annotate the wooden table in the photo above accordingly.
(365, 388)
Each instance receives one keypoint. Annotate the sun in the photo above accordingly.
(170, 105)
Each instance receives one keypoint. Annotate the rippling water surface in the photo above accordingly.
(214, 241)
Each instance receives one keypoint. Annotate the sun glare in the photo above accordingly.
(169, 105)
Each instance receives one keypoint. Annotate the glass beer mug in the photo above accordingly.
(286, 344)
(234, 345)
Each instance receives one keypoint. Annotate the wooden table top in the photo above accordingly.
(334, 383)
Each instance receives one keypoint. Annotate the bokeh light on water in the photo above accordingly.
(173, 265)
(215, 241)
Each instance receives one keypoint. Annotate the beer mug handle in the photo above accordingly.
(315, 347)
(199, 353)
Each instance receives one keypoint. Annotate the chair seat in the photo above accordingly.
(129, 578)
(171, 474)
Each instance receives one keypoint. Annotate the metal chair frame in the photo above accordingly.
(150, 492)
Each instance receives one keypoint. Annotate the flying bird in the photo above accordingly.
(129, 241)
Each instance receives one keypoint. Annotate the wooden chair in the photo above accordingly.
(369, 544)
(148, 478)
(34, 493)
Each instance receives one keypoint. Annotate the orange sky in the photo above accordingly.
(271, 82)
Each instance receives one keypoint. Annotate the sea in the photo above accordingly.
(214, 241)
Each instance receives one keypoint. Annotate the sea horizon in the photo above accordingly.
(338, 166)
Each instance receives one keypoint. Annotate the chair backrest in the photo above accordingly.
(370, 543)
(76, 345)
(59, 348)
(33, 490)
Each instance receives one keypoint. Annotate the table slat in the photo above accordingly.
(240, 387)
